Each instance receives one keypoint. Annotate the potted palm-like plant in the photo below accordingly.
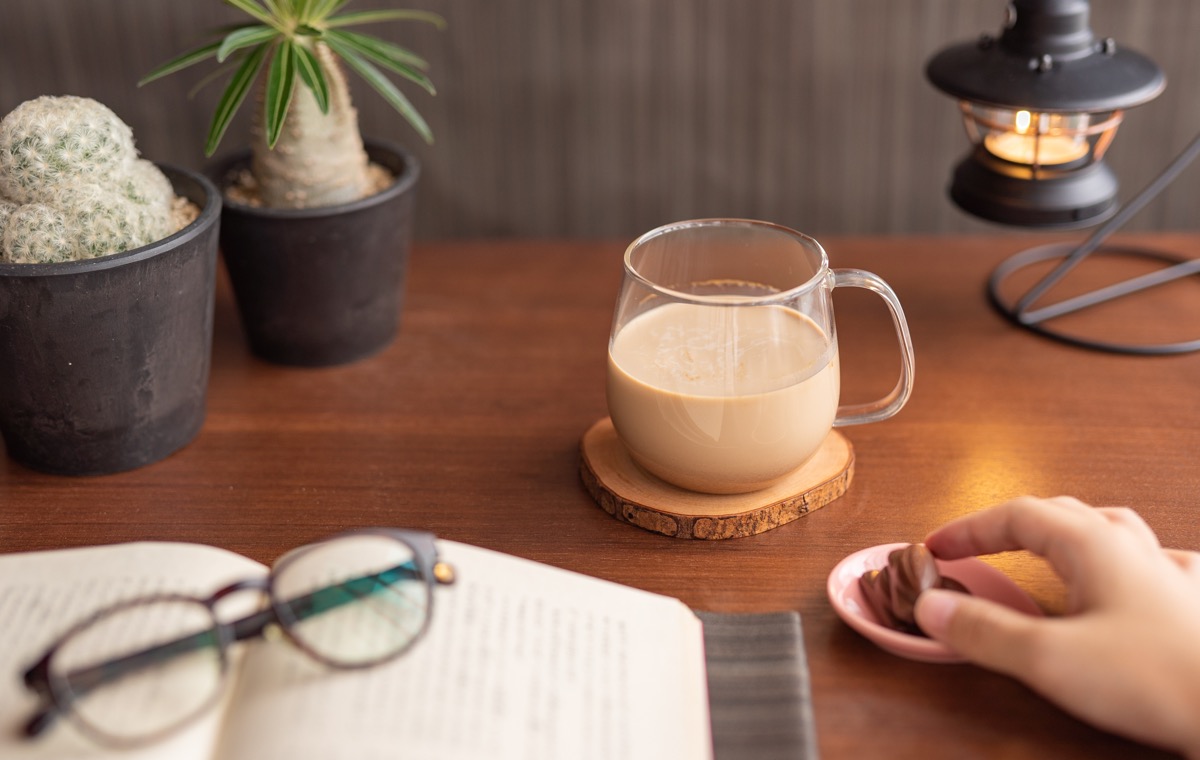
(107, 268)
(316, 224)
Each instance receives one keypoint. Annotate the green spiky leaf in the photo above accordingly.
(387, 55)
(323, 9)
(290, 28)
(245, 37)
(312, 75)
(234, 94)
(281, 80)
(304, 10)
(377, 48)
(383, 86)
(182, 62)
(374, 17)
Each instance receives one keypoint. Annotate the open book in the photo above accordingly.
(521, 660)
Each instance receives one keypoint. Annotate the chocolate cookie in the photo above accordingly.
(891, 593)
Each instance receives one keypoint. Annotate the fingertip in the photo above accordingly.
(981, 630)
(938, 541)
(1052, 528)
(956, 539)
(934, 610)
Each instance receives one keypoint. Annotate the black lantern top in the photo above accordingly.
(1047, 59)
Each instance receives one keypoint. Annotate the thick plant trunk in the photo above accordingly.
(319, 158)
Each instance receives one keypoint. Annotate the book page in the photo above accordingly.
(42, 594)
(522, 661)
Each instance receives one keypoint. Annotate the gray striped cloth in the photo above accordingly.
(758, 687)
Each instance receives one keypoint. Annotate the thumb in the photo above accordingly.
(986, 633)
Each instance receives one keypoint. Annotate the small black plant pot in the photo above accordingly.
(321, 286)
(104, 363)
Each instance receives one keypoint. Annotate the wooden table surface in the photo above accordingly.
(469, 425)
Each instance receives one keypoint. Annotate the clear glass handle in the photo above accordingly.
(881, 409)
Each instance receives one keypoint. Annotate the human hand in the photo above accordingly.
(1126, 655)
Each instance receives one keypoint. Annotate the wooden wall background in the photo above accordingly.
(604, 118)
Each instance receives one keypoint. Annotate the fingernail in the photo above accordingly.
(934, 609)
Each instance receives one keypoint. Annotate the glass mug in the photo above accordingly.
(723, 373)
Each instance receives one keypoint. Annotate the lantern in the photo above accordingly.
(1041, 104)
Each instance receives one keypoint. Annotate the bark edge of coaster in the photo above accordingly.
(630, 494)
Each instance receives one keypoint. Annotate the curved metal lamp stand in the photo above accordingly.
(1023, 312)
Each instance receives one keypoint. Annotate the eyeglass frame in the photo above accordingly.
(57, 698)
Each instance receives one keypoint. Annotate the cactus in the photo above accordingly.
(7, 208)
(318, 158)
(72, 185)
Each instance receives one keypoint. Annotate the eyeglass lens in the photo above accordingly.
(142, 669)
(353, 601)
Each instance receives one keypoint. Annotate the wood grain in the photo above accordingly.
(469, 425)
(631, 495)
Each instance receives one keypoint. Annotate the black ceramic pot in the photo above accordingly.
(321, 286)
(104, 363)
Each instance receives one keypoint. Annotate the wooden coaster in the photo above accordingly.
(632, 495)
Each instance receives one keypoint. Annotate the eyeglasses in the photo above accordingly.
(138, 670)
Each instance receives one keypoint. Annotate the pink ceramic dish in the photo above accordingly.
(980, 579)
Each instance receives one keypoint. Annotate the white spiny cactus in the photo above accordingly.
(37, 234)
(147, 186)
(7, 208)
(105, 221)
(75, 184)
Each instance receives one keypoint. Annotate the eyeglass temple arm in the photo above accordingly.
(252, 626)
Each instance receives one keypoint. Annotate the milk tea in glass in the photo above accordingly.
(723, 373)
